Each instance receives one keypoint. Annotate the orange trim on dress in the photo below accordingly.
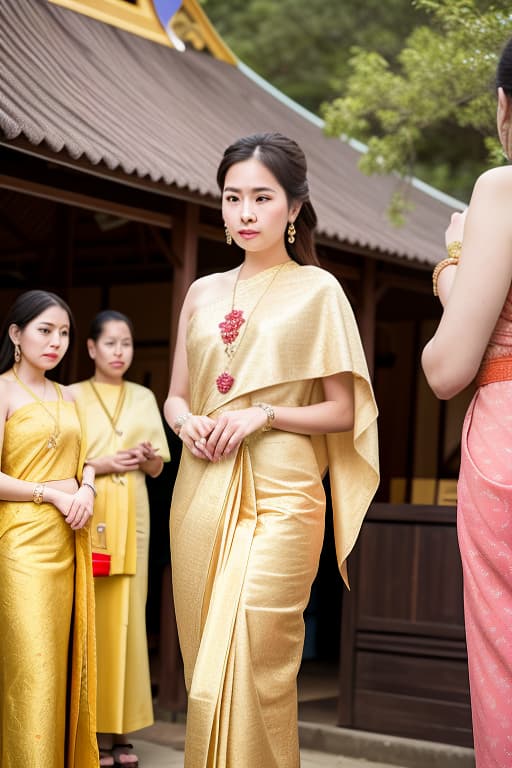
(494, 369)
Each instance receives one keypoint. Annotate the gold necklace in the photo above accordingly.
(53, 438)
(230, 329)
(117, 411)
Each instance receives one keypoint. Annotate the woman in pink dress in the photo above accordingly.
(474, 340)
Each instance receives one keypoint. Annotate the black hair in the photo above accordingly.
(105, 316)
(286, 161)
(26, 308)
(504, 70)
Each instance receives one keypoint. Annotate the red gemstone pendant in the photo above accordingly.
(224, 382)
(230, 327)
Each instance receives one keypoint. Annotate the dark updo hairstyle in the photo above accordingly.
(286, 161)
(105, 316)
(504, 70)
(26, 308)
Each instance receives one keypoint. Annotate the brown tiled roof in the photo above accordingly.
(83, 89)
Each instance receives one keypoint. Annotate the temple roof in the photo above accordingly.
(112, 102)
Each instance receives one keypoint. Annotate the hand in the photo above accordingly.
(116, 464)
(148, 451)
(455, 229)
(194, 434)
(231, 428)
(77, 508)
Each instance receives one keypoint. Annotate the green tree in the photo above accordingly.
(303, 47)
(434, 116)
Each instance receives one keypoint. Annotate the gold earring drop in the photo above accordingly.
(291, 232)
(229, 239)
(17, 353)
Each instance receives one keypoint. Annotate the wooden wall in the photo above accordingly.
(403, 655)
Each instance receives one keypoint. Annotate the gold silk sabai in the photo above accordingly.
(246, 532)
(122, 505)
(47, 656)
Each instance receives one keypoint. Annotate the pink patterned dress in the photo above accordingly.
(485, 539)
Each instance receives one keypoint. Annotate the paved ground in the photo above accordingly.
(324, 746)
(153, 755)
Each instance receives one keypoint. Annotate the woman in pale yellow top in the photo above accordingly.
(123, 440)
(47, 670)
(269, 389)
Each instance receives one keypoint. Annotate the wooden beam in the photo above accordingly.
(89, 202)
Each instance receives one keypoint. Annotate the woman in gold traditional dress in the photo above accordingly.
(47, 672)
(269, 389)
(124, 440)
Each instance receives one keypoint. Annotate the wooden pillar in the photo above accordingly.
(368, 312)
(58, 273)
(185, 238)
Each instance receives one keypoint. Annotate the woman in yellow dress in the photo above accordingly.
(269, 389)
(47, 704)
(123, 440)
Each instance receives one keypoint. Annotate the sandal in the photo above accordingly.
(106, 758)
(119, 750)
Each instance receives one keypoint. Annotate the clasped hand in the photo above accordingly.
(76, 507)
(126, 460)
(215, 439)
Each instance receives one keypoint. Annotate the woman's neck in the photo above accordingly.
(258, 262)
(29, 375)
(102, 378)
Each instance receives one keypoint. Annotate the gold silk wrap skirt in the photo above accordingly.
(37, 565)
(246, 536)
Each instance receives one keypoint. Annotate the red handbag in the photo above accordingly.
(100, 564)
(101, 560)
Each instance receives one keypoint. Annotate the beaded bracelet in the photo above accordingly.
(270, 415)
(437, 271)
(180, 420)
(454, 251)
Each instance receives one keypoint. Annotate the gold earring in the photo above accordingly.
(17, 353)
(229, 239)
(291, 232)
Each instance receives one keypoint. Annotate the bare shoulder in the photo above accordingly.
(209, 289)
(5, 394)
(496, 179)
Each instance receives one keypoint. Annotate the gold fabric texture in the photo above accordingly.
(124, 688)
(246, 532)
(47, 706)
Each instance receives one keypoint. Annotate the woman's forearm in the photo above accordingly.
(175, 408)
(318, 419)
(13, 489)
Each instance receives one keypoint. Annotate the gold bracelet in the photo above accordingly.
(439, 268)
(37, 494)
(270, 415)
(454, 249)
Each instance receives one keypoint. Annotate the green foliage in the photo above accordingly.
(423, 106)
(444, 82)
(303, 47)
